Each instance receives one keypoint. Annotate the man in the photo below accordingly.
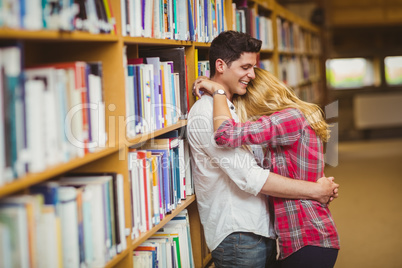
(231, 188)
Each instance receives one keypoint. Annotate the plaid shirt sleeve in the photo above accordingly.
(279, 129)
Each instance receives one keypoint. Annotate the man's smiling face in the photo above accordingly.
(240, 72)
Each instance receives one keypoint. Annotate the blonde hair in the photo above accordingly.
(266, 95)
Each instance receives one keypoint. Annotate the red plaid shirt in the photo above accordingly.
(296, 152)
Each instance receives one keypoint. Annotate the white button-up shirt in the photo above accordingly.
(227, 181)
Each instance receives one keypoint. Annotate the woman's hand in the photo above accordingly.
(329, 190)
(204, 84)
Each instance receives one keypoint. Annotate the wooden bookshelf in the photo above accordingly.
(41, 47)
(34, 178)
(143, 237)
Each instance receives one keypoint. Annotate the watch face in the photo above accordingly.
(220, 92)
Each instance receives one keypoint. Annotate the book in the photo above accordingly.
(168, 107)
(50, 192)
(124, 17)
(157, 95)
(143, 259)
(177, 55)
(97, 128)
(5, 246)
(31, 205)
(134, 194)
(3, 104)
(172, 233)
(14, 217)
(189, 184)
(155, 189)
(139, 96)
(136, 166)
(135, 18)
(53, 142)
(69, 226)
(111, 195)
(49, 253)
(13, 113)
(78, 116)
(121, 219)
(182, 223)
(98, 187)
(130, 102)
(35, 91)
(145, 188)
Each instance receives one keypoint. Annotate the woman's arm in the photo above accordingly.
(279, 129)
(221, 110)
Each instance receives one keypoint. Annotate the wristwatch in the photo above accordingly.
(220, 92)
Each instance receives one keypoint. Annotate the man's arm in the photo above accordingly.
(324, 190)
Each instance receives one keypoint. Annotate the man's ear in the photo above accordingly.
(220, 65)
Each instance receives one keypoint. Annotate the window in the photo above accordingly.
(393, 70)
(350, 73)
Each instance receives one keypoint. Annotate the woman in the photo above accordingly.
(292, 133)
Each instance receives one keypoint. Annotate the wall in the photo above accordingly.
(374, 43)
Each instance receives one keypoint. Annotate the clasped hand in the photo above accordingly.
(329, 190)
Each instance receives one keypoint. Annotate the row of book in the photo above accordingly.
(296, 70)
(160, 177)
(292, 38)
(247, 20)
(266, 64)
(168, 247)
(195, 20)
(309, 92)
(156, 90)
(76, 221)
(94, 16)
(203, 68)
(49, 114)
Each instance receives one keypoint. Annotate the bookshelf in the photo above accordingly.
(50, 46)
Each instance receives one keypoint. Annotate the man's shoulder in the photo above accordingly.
(200, 115)
(202, 106)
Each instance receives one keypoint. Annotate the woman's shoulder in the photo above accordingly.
(289, 113)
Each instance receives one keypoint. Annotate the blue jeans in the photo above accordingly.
(245, 250)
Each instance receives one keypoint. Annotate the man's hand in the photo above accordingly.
(328, 190)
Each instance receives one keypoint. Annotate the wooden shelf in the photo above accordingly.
(118, 258)
(267, 51)
(185, 203)
(58, 36)
(266, 4)
(146, 136)
(155, 42)
(202, 44)
(34, 178)
(284, 13)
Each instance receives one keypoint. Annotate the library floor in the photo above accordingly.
(368, 213)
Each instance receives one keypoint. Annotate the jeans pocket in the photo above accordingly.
(250, 240)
